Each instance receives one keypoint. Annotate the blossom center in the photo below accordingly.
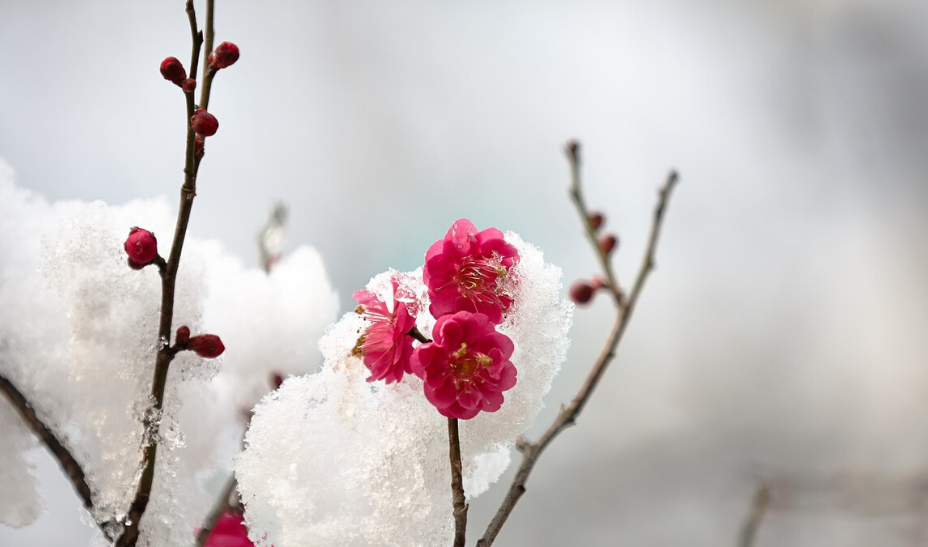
(465, 363)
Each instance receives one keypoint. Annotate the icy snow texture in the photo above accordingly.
(331, 459)
(78, 336)
(19, 500)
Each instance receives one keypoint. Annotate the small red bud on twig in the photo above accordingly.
(581, 291)
(198, 143)
(596, 220)
(573, 150)
(141, 246)
(598, 282)
(225, 56)
(189, 85)
(182, 336)
(204, 123)
(173, 70)
(206, 345)
(276, 380)
(608, 243)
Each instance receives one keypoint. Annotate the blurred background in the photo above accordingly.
(783, 338)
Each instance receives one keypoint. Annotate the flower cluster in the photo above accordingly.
(466, 368)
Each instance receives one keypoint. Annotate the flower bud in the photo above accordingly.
(204, 123)
(225, 56)
(276, 380)
(141, 246)
(206, 345)
(596, 220)
(608, 243)
(573, 150)
(173, 70)
(189, 85)
(581, 291)
(182, 336)
(198, 143)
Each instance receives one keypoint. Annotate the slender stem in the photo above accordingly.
(576, 193)
(208, 72)
(414, 332)
(165, 354)
(65, 459)
(759, 505)
(457, 484)
(222, 506)
(567, 416)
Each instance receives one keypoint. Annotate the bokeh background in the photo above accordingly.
(783, 337)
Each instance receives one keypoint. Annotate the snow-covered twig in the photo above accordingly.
(624, 307)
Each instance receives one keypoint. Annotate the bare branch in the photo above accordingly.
(624, 307)
(68, 464)
(457, 484)
(223, 504)
(759, 505)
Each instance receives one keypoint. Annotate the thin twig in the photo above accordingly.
(222, 506)
(165, 355)
(567, 416)
(759, 504)
(68, 464)
(208, 71)
(457, 484)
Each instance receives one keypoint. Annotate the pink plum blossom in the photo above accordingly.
(464, 271)
(384, 346)
(467, 368)
(229, 531)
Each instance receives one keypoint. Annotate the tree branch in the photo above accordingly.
(567, 416)
(222, 505)
(165, 355)
(68, 464)
(759, 505)
(457, 484)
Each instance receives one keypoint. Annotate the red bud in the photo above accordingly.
(206, 345)
(204, 123)
(608, 243)
(597, 219)
(189, 85)
(173, 70)
(277, 380)
(182, 336)
(581, 291)
(141, 246)
(225, 56)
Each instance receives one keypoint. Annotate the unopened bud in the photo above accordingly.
(608, 243)
(182, 336)
(198, 143)
(581, 291)
(573, 150)
(276, 380)
(225, 56)
(206, 345)
(173, 70)
(189, 85)
(204, 123)
(141, 246)
(596, 220)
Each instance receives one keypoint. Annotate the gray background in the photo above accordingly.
(783, 334)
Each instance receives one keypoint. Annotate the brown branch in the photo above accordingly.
(457, 484)
(208, 71)
(68, 464)
(567, 416)
(165, 355)
(220, 508)
(759, 505)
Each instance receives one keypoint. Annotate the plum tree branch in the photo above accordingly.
(568, 415)
(65, 459)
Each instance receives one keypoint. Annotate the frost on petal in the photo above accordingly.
(331, 459)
